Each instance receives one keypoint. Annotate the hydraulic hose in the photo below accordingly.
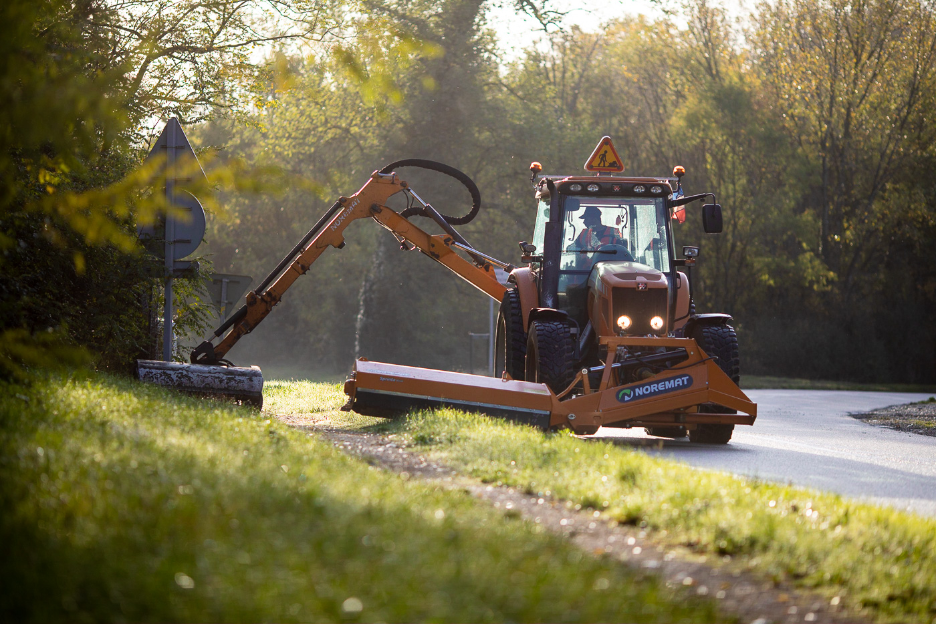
(432, 165)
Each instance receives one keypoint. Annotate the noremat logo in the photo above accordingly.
(344, 215)
(654, 388)
(391, 379)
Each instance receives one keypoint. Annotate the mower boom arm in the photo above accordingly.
(370, 201)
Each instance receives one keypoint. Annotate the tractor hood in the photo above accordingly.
(623, 273)
(632, 289)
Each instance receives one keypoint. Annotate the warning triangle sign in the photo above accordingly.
(172, 145)
(605, 158)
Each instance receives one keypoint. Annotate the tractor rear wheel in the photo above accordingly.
(510, 341)
(721, 343)
(550, 354)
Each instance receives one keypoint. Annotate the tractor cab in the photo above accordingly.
(602, 230)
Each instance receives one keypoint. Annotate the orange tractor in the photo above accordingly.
(598, 329)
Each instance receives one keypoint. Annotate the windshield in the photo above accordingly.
(607, 229)
(599, 229)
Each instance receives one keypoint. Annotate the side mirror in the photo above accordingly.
(711, 218)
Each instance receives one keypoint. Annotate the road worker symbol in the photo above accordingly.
(605, 158)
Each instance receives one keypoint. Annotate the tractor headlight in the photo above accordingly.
(656, 190)
(656, 323)
(640, 188)
(593, 188)
(624, 322)
(575, 188)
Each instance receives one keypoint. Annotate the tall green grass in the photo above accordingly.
(130, 503)
(874, 559)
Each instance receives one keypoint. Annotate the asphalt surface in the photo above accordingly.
(807, 438)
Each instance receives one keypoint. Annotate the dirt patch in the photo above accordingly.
(917, 418)
(738, 590)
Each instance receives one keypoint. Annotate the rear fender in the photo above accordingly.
(705, 320)
(548, 314)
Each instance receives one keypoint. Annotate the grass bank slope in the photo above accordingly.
(125, 502)
(877, 560)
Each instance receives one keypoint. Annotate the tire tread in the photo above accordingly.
(721, 343)
(515, 339)
(554, 347)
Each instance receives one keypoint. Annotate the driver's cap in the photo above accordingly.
(590, 211)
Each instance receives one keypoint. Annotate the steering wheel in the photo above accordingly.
(620, 252)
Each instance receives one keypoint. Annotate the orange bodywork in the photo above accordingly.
(526, 289)
(682, 301)
(670, 398)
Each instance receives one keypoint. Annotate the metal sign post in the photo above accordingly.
(172, 142)
(226, 290)
(179, 238)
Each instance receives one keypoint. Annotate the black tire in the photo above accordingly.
(510, 341)
(719, 342)
(677, 431)
(550, 354)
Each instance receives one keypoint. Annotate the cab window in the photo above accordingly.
(602, 229)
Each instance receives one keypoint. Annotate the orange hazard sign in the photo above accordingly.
(605, 158)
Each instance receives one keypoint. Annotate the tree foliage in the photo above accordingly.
(79, 79)
(812, 125)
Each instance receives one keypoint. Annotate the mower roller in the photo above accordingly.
(231, 382)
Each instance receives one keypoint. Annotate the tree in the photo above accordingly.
(58, 207)
(854, 81)
(70, 188)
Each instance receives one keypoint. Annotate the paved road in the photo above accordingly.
(807, 438)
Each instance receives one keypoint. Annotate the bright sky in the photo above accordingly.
(516, 33)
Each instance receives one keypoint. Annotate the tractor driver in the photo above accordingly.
(595, 234)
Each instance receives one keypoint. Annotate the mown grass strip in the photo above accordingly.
(757, 382)
(874, 559)
(125, 502)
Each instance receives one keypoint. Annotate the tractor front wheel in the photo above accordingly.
(550, 354)
(719, 342)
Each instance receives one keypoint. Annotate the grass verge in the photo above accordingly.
(125, 502)
(877, 560)
(756, 382)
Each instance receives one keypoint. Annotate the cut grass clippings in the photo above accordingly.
(127, 502)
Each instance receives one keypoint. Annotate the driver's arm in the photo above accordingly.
(579, 242)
